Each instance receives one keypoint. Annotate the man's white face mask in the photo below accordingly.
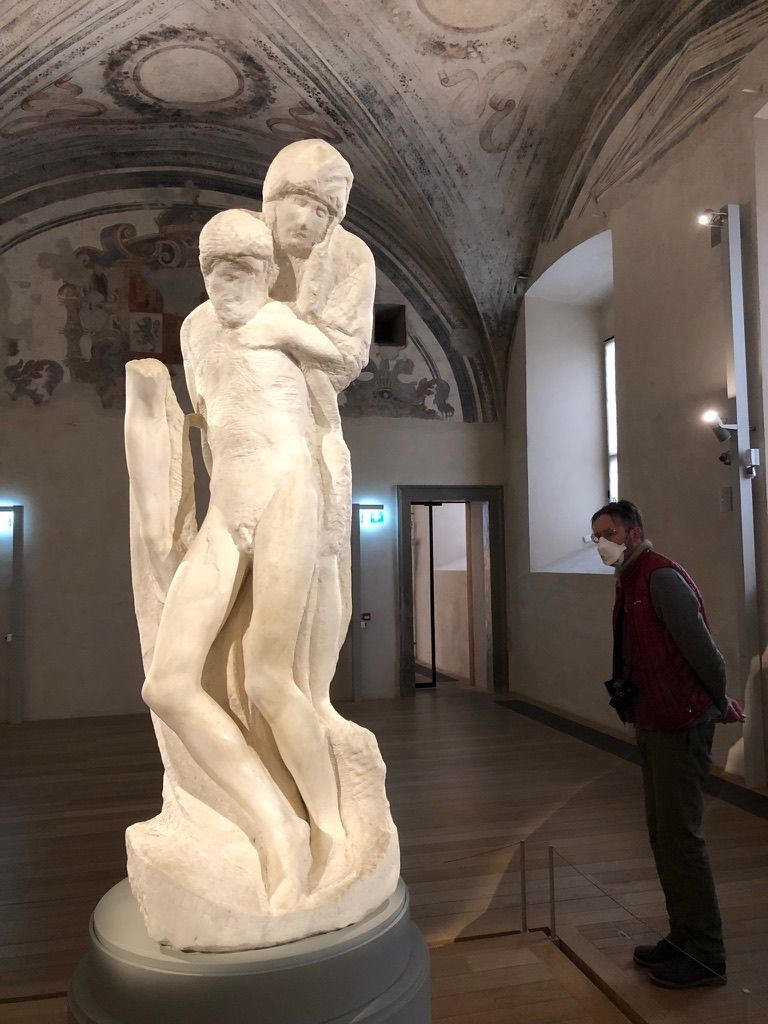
(610, 552)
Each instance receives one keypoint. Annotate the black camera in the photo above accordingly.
(622, 694)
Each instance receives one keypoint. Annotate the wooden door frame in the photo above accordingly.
(494, 495)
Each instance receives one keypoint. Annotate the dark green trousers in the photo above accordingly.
(675, 765)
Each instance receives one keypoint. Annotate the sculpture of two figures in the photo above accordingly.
(275, 823)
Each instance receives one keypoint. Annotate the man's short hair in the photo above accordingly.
(629, 514)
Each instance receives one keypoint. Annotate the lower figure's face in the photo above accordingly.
(300, 223)
(236, 289)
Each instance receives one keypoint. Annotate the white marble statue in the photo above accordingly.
(275, 823)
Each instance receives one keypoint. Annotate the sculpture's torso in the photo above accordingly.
(257, 414)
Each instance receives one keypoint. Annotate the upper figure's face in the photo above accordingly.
(300, 222)
(237, 288)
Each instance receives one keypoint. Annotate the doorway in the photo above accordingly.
(452, 602)
(11, 631)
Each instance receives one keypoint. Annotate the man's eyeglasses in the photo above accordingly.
(605, 534)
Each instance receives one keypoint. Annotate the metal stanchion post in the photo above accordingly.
(747, 1006)
(552, 926)
(523, 891)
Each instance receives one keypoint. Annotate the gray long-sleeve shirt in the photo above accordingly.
(678, 608)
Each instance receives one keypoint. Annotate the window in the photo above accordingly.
(568, 316)
(611, 418)
(389, 325)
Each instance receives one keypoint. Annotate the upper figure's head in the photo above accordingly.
(238, 263)
(617, 528)
(305, 195)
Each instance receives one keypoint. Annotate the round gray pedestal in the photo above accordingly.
(374, 972)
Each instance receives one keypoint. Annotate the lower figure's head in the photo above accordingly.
(238, 263)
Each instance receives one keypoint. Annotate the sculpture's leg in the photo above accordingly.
(198, 602)
(326, 633)
(301, 663)
(285, 551)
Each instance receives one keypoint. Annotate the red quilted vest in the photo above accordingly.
(670, 695)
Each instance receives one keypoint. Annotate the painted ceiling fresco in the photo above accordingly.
(473, 127)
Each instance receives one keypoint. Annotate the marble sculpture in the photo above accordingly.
(275, 823)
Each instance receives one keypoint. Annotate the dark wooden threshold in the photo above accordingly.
(724, 789)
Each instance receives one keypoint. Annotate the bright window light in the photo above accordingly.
(611, 419)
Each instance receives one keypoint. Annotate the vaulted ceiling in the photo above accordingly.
(473, 126)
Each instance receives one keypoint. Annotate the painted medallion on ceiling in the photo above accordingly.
(185, 72)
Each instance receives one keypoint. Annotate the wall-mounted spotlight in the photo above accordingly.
(750, 458)
(712, 218)
(722, 431)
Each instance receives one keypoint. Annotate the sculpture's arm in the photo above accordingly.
(277, 326)
(148, 454)
(337, 342)
(347, 321)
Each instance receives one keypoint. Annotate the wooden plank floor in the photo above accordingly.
(517, 979)
(467, 780)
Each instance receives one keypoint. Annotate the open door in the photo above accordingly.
(452, 577)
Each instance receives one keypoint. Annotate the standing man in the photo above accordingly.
(669, 680)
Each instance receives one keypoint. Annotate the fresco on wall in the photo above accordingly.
(62, 101)
(185, 72)
(130, 298)
(383, 390)
(487, 100)
(96, 306)
(35, 379)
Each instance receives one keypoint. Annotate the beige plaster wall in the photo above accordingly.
(387, 453)
(671, 323)
(64, 462)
